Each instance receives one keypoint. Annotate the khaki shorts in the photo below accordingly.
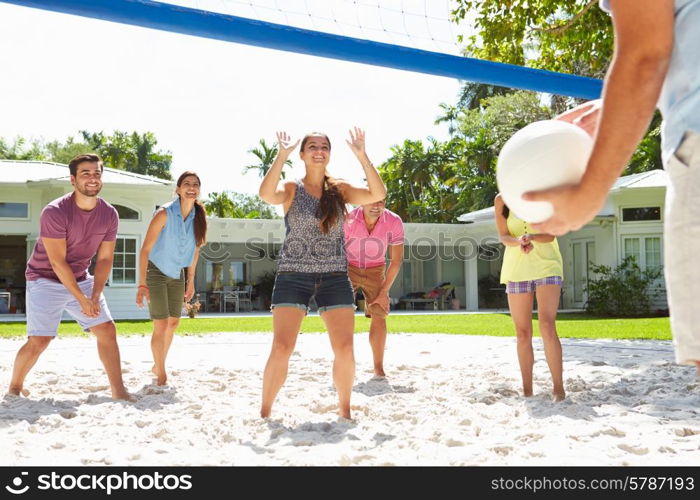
(370, 281)
(167, 294)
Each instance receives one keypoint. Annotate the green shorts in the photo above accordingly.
(167, 294)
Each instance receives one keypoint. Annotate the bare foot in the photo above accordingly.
(265, 413)
(527, 392)
(123, 395)
(161, 378)
(558, 396)
(344, 413)
(379, 372)
(17, 391)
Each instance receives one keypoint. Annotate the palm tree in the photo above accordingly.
(266, 157)
(470, 96)
(220, 205)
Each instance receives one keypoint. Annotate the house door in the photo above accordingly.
(583, 256)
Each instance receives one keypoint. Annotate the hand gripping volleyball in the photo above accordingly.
(542, 155)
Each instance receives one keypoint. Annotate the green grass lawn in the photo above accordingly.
(568, 325)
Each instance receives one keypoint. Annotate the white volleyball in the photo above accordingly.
(542, 155)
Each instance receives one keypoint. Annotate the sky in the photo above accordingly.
(207, 102)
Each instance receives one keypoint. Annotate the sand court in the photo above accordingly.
(448, 400)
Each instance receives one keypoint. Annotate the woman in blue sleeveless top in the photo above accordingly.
(312, 262)
(176, 233)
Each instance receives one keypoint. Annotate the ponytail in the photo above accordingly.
(200, 224)
(332, 204)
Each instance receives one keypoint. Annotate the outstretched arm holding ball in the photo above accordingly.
(657, 44)
(643, 46)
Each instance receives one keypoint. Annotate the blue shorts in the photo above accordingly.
(331, 290)
(46, 301)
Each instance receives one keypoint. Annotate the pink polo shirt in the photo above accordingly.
(365, 249)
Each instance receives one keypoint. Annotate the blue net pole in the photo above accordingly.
(207, 24)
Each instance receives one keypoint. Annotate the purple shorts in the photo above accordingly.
(530, 286)
(46, 301)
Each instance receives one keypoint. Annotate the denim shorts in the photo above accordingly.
(331, 290)
(530, 286)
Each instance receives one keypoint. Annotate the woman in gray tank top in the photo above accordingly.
(312, 262)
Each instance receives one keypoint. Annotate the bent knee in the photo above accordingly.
(105, 331)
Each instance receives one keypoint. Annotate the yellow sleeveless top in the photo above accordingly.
(543, 261)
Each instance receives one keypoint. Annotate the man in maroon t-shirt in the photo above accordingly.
(74, 228)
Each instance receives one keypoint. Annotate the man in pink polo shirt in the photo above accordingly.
(369, 231)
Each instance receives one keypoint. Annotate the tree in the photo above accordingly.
(470, 97)
(266, 157)
(440, 181)
(60, 152)
(569, 36)
(18, 150)
(219, 204)
(131, 151)
(229, 204)
(250, 206)
(421, 180)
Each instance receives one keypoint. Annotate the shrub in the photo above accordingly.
(622, 291)
(263, 287)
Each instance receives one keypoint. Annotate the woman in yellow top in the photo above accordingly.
(532, 265)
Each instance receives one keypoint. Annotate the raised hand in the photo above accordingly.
(284, 143)
(357, 141)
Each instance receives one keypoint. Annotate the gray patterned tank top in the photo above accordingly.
(306, 249)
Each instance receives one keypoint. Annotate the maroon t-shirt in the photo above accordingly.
(82, 230)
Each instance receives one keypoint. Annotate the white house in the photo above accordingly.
(467, 255)
(238, 250)
(27, 186)
(630, 223)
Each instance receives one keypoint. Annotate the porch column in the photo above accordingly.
(471, 283)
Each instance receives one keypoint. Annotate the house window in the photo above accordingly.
(236, 272)
(12, 210)
(124, 268)
(220, 274)
(126, 213)
(214, 275)
(641, 214)
(645, 249)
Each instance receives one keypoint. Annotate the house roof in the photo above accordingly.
(651, 179)
(20, 172)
